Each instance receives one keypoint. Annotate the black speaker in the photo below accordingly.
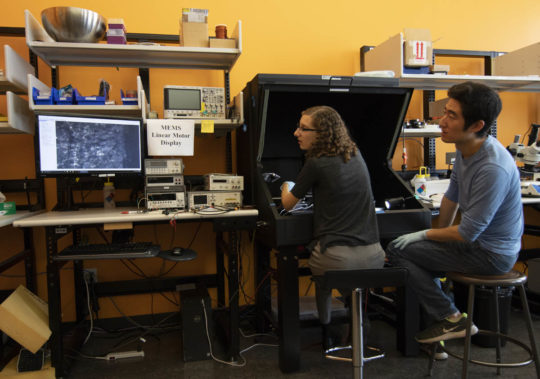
(196, 327)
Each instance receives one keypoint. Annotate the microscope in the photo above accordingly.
(530, 156)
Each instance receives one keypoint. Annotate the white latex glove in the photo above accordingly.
(2, 197)
(290, 185)
(402, 241)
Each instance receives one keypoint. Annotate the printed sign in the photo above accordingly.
(170, 137)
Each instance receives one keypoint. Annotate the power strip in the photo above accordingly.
(124, 354)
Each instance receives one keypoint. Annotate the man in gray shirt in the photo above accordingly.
(485, 186)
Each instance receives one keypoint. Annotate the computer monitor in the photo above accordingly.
(74, 145)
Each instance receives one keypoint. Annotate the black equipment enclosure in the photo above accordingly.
(373, 108)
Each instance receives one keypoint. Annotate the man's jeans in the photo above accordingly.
(427, 261)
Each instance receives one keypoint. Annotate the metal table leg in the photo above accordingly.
(288, 312)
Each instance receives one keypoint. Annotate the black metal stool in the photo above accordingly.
(513, 278)
(356, 280)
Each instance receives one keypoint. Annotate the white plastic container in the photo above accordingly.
(419, 180)
(108, 195)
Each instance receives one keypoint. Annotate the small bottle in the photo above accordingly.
(419, 181)
(108, 195)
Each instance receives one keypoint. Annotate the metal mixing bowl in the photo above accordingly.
(70, 24)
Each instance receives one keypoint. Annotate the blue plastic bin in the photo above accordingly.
(64, 100)
(88, 100)
(44, 99)
(128, 100)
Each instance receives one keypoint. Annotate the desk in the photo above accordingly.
(58, 224)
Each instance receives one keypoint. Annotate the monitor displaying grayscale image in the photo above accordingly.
(86, 145)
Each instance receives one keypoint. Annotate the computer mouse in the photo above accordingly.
(177, 251)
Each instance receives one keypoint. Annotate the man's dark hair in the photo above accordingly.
(478, 102)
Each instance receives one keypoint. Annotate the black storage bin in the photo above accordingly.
(484, 311)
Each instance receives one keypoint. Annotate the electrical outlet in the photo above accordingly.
(90, 274)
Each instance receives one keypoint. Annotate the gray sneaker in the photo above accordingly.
(440, 354)
(445, 330)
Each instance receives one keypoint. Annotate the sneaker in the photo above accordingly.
(445, 330)
(440, 355)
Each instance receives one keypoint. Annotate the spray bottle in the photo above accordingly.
(108, 194)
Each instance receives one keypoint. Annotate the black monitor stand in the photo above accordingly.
(64, 195)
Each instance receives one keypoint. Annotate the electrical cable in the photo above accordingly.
(256, 334)
(141, 274)
(147, 330)
(139, 202)
(102, 234)
(255, 345)
(85, 356)
(234, 364)
(415, 139)
(525, 134)
(89, 309)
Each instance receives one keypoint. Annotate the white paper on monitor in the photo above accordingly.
(170, 137)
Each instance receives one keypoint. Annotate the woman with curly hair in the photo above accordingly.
(345, 234)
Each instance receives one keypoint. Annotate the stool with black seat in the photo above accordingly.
(356, 281)
(510, 279)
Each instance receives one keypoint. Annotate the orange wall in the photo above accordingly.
(295, 37)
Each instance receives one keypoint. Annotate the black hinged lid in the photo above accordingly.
(372, 107)
(268, 153)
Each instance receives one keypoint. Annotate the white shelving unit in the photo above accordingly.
(141, 56)
(132, 55)
(501, 83)
(14, 81)
(389, 56)
(139, 110)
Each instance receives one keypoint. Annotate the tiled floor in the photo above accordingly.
(163, 358)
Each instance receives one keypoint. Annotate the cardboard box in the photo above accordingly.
(223, 43)
(417, 49)
(439, 69)
(25, 318)
(7, 208)
(521, 62)
(436, 108)
(194, 34)
(194, 15)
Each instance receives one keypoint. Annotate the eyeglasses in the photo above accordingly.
(302, 129)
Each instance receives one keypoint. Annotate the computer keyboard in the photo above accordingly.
(109, 251)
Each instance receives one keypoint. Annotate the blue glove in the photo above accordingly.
(402, 241)
(289, 184)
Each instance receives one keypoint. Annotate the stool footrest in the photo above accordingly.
(501, 364)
